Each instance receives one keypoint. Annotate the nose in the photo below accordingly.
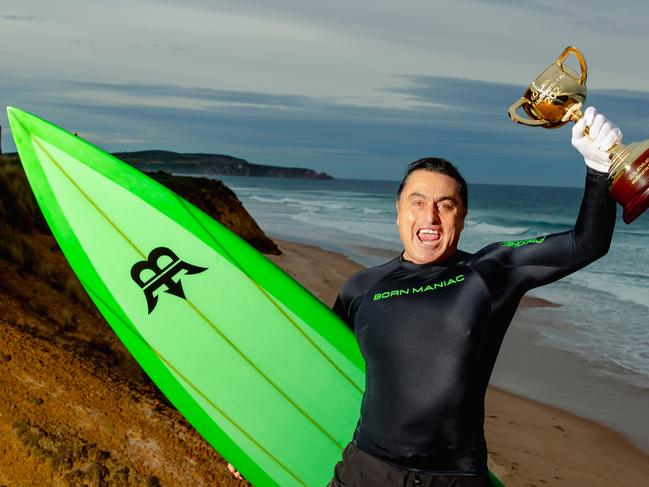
(432, 214)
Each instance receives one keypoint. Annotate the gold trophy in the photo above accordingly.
(555, 98)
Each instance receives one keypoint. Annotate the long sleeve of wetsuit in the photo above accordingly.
(512, 268)
(341, 310)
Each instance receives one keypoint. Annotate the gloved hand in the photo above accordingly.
(601, 137)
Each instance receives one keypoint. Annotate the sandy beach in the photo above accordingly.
(77, 410)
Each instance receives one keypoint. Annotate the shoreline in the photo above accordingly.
(531, 439)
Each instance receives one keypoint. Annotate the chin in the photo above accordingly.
(427, 258)
(430, 254)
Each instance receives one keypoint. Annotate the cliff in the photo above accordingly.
(220, 202)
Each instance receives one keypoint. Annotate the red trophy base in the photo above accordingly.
(630, 185)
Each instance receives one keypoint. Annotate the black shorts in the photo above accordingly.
(360, 469)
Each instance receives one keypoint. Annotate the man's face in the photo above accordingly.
(430, 217)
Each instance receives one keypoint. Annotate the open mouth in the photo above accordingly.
(428, 235)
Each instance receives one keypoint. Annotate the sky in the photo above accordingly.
(356, 89)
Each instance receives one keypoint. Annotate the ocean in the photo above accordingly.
(604, 314)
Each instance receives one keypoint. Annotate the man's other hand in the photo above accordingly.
(602, 135)
(235, 473)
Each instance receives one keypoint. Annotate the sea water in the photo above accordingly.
(604, 313)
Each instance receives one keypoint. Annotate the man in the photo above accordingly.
(431, 321)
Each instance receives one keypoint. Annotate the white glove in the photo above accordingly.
(601, 137)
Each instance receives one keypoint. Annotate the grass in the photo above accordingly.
(21, 222)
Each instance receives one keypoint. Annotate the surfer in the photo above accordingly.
(431, 321)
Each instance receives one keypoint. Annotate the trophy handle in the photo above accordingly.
(512, 112)
(580, 57)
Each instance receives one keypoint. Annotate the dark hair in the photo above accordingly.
(442, 166)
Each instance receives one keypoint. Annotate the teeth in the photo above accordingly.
(431, 232)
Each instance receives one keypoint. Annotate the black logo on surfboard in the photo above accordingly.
(159, 270)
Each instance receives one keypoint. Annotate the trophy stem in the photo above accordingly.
(573, 114)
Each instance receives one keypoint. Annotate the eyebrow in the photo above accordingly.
(446, 198)
(442, 198)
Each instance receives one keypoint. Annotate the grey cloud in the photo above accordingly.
(472, 95)
(21, 18)
(201, 94)
(535, 6)
(328, 135)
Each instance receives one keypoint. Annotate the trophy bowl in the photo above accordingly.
(555, 98)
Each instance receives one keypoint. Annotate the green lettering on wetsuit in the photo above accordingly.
(520, 243)
(430, 287)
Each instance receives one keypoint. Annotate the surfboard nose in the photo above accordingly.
(14, 115)
(18, 115)
(13, 111)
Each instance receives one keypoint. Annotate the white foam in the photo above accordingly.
(490, 229)
(385, 232)
(329, 205)
(619, 285)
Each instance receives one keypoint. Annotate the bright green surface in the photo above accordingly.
(262, 369)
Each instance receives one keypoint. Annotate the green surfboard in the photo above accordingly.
(266, 373)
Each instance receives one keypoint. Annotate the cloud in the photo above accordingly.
(21, 18)
(536, 6)
(464, 120)
(209, 95)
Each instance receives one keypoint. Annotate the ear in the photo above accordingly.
(396, 205)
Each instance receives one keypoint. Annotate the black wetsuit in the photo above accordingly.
(430, 335)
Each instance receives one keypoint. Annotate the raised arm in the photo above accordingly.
(518, 266)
